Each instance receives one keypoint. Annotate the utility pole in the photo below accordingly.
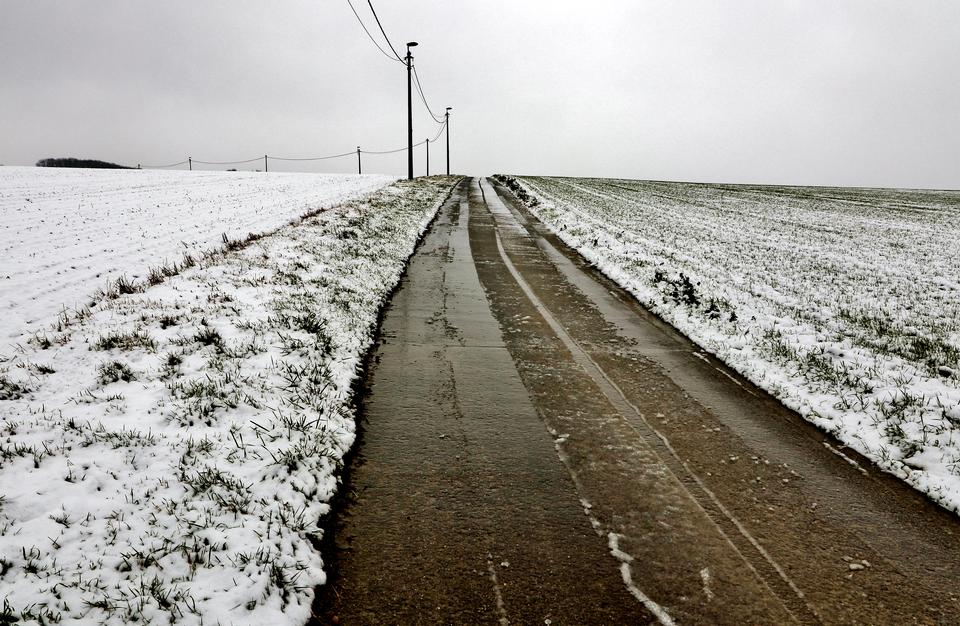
(359, 165)
(190, 162)
(448, 139)
(428, 157)
(410, 44)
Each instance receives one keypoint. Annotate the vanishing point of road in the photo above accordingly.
(537, 448)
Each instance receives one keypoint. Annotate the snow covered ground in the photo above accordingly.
(66, 233)
(168, 455)
(843, 303)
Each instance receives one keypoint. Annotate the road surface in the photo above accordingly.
(536, 448)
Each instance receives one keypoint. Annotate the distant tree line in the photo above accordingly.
(71, 162)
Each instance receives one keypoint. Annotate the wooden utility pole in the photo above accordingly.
(447, 124)
(410, 44)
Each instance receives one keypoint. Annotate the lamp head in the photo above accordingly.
(411, 44)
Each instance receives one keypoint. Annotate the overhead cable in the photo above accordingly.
(383, 31)
(403, 149)
(332, 156)
(259, 158)
(416, 77)
(160, 167)
(439, 132)
(419, 143)
(379, 47)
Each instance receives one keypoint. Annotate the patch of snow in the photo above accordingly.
(67, 233)
(626, 573)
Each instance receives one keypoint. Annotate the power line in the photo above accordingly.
(416, 79)
(383, 31)
(439, 132)
(160, 167)
(403, 149)
(228, 162)
(419, 143)
(332, 156)
(379, 47)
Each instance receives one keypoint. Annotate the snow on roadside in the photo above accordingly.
(167, 457)
(843, 303)
(66, 233)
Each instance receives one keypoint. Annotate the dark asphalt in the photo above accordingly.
(539, 449)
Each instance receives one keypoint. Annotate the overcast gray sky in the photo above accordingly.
(806, 91)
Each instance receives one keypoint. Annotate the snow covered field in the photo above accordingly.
(843, 303)
(66, 233)
(167, 456)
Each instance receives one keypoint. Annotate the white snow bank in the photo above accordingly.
(843, 303)
(167, 457)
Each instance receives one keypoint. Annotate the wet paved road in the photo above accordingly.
(537, 448)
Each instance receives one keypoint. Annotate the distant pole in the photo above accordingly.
(428, 157)
(359, 165)
(190, 163)
(410, 44)
(448, 139)
(265, 163)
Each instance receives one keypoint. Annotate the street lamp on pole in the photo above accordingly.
(410, 44)
(447, 123)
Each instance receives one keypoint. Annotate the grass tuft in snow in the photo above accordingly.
(125, 341)
(10, 390)
(114, 371)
